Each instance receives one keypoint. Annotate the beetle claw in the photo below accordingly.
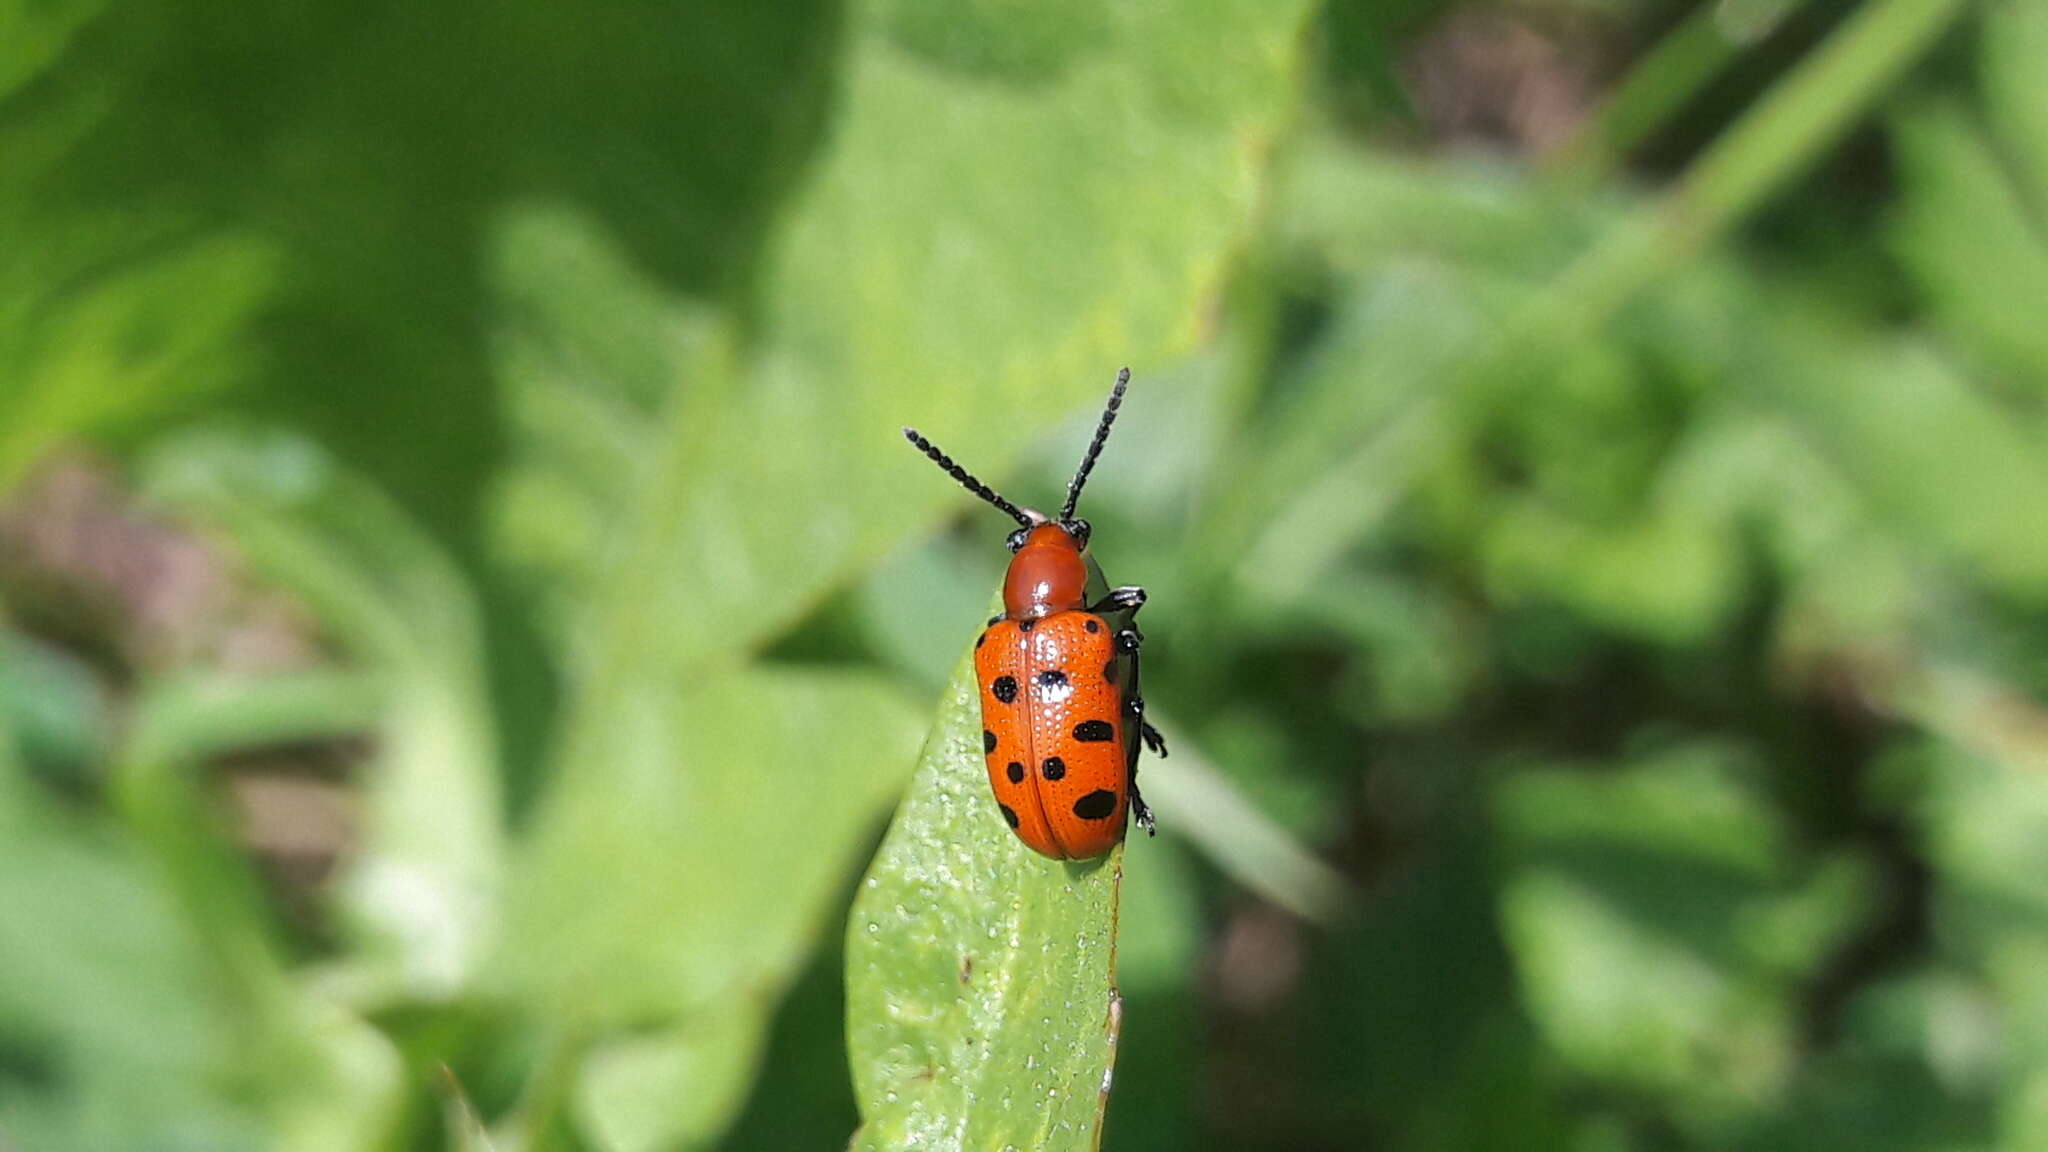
(1142, 813)
(1153, 739)
(1128, 598)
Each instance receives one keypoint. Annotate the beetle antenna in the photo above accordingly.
(965, 477)
(1116, 399)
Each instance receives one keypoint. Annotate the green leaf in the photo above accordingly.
(459, 1119)
(326, 1080)
(1343, 444)
(1966, 233)
(722, 814)
(2015, 41)
(671, 1088)
(124, 344)
(57, 711)
(975, 255)
(612, 388)
(1017, 240)
(1914, 1071)
(149, 981)
(1196, 801)
(343, 1087)
(1984, 819)
(1661, 926)
(718, 819)
(982, 1009)
(1938, 460)
(117, 307)
(422, 886)
(105, 998)
(36, 35)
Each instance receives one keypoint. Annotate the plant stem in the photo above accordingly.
(1784, 133)
(1663, 81)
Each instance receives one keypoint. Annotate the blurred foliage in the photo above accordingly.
(465, 613)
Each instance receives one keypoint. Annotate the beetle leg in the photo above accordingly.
(1153, 739)
(1139, 811)
(1128, 640)
(1128, 598)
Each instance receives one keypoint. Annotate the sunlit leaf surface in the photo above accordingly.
(982, 1009)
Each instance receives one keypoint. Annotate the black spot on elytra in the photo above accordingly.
(1091, 625)
(1016, 772)
(1004, 688)
(1096, 805)
(1094, 731)
(1009, 814)
(988, 740)
(1053, 767)
(1026, 625)
(1052, 678)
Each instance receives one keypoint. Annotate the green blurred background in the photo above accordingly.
(466, 613)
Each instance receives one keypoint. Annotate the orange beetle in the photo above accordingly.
(1062, 720)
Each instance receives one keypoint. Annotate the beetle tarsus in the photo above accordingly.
(1141, 813)
(1153, 739)
(1128, 598)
